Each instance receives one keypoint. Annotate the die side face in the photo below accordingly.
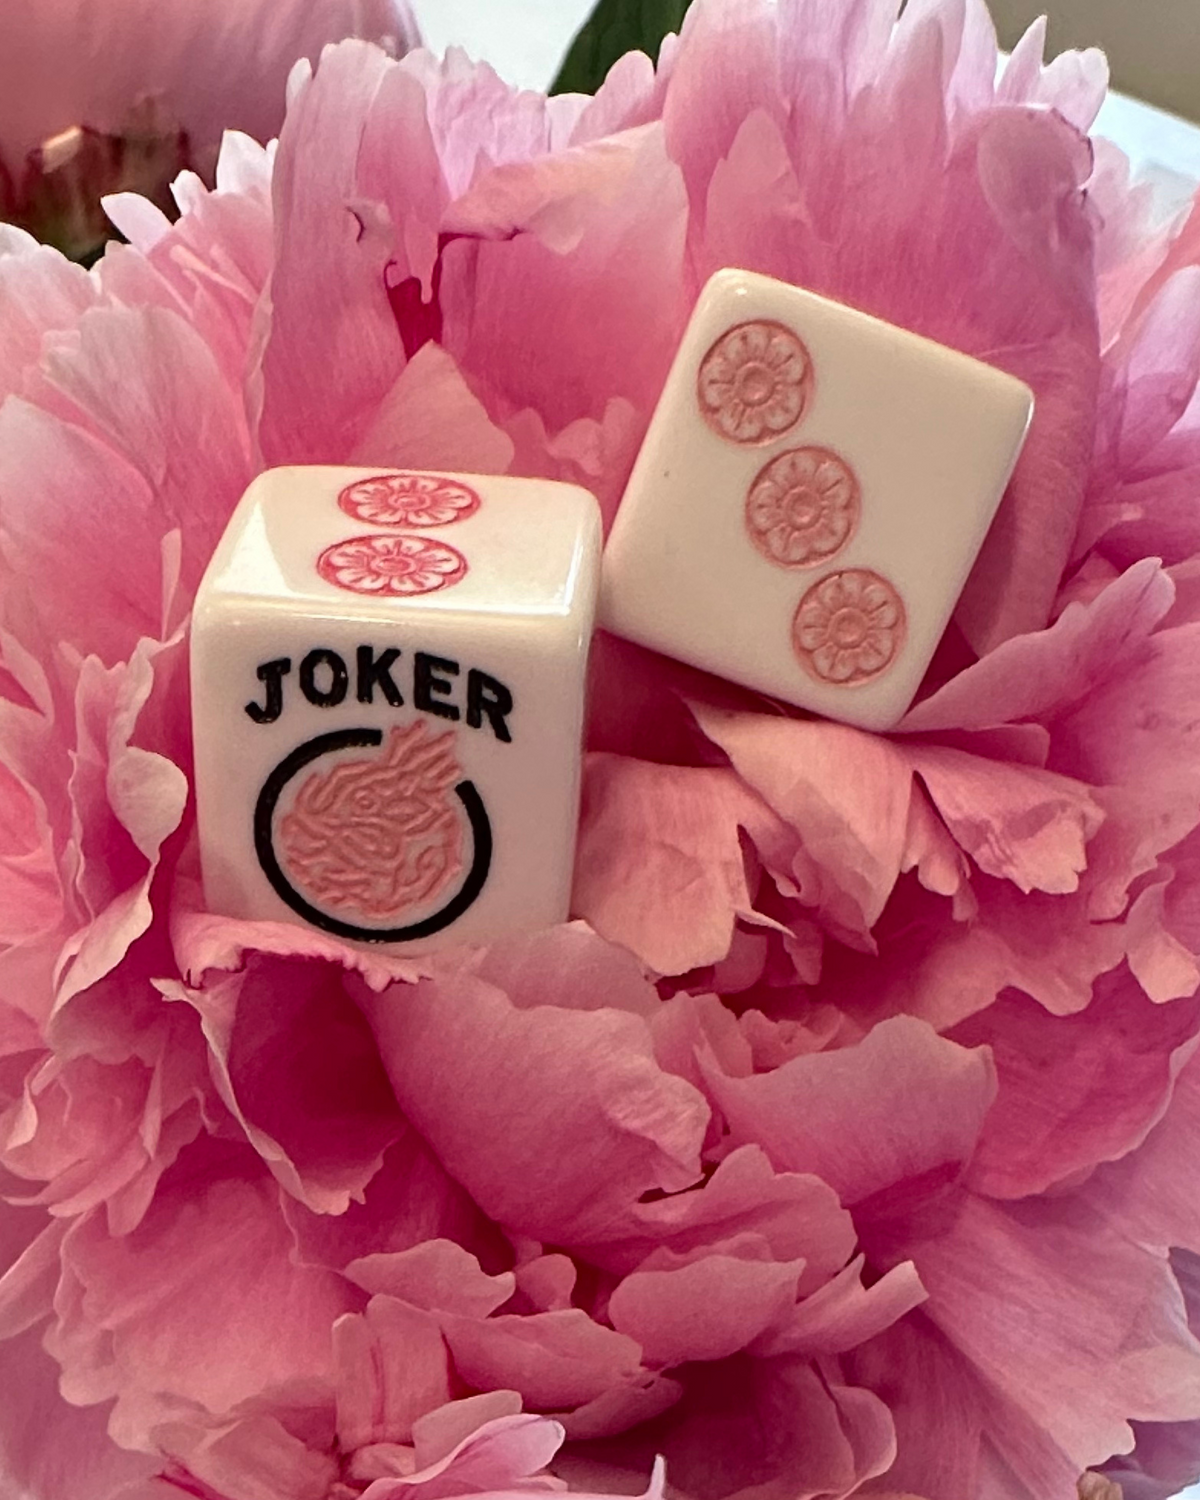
(812, 492)
(387, 681)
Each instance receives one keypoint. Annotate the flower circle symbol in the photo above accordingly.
(391, 565)
(803, 507)
(755, 383)
(849, 627)
(409, 500)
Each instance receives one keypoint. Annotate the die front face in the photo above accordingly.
(812, 492)
(387, 686)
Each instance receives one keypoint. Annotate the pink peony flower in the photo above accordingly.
(124, 95)
(845, 1142)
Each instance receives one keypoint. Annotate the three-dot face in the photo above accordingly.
(812, 492)
(388, 674)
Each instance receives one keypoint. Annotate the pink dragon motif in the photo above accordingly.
(376, 839)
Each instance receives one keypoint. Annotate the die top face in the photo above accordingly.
(352, 541)
(814, 487)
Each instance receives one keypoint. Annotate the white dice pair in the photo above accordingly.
(388, 668)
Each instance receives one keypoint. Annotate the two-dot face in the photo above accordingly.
(398, 565)
(755, 386)
(811, 494)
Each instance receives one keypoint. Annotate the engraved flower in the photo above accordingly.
(404, 565)
(755, 382)
(380, 837)
(849, 627)
(409, 500)
(803, 507)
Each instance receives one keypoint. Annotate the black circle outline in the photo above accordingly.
(264, 814)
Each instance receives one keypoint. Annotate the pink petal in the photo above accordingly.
(1149, 1192)
(1082, 1330)
(796, 1216)
(1073, 1090)
(323, 1134)
(438, 1433)
(1016, 822)
(435, 1275)
(843, 1313)
(570, 967)
(392, 1367)
(254, 1458)
(325, 258)
(430, 420)
(659, 866)
(200, 1303)
(459, 1055)
(555, 1360)
(217, 67)
(846, 793)
(49, 1449)
(704, 1310)
(1040, 675)
(809, 1116)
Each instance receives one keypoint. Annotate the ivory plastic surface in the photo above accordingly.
(814, 487)
(387, 684)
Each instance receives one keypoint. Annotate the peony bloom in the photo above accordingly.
(845, 1142)
(95, 98)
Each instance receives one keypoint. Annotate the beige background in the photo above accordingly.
(1152, 45)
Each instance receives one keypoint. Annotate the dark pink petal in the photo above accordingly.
(1074, 1090)
(460, 1055)
(555, 1360)
(707, 1309)
(297, 1066)
(796, 1216)
(437, 1275)
(809, 1117)
(773, 1429)
(392, 1366)
(49, 1449)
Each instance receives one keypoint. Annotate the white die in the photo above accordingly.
(814, 487)
(388, 677)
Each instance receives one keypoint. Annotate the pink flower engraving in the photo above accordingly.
(381, 565)
(376, 839)
(803, 507)
(409, 500)
(755, 382)
(849, 627)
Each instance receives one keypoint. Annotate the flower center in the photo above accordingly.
(755, 384)
(848, 628)
(397, 566)
(802, 507)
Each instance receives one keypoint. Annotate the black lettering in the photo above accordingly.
(339, 678)
(487, 696)
(426, 683)
(376, 671)
(272, 673)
